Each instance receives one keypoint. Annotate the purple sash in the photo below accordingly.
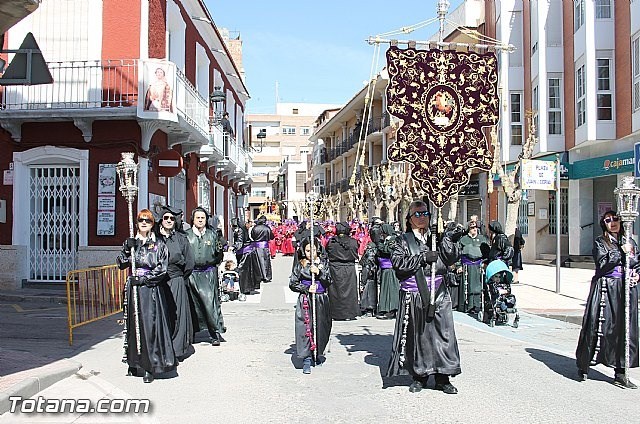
(410, 284)
(384, 263)
(142, 271)
(615, 272)
(319, 286)
(260, 244)
(247, 249)
(467, 261)
(207, 268)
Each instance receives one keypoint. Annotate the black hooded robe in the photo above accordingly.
(431, 345)
(261, 234)
(156, 349)
(181, 263)
(299, 282)
(342, 253)
(610, 269)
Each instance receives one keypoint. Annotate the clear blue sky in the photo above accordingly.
(315, 50)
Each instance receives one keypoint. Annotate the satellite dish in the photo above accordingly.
(28, 66)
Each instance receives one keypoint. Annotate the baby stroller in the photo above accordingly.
(230, 285)
(498, 304)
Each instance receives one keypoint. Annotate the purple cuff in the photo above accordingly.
(384, 263)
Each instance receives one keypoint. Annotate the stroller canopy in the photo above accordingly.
(498, 266)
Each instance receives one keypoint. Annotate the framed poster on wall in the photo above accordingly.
(531, 209)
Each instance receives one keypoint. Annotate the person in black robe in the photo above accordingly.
(369, 281)
(204, 286)
(300, 282)
(342, 253)
(242, 247)
(606, 302)
(181, 263)
(389, 285)
(156, 354)
(424, 341)
(260, 235)
(500, 247)
(516, 262)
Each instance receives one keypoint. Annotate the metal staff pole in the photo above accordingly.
(628, 196)
(432, 287)
(127, 170)
(311, 199)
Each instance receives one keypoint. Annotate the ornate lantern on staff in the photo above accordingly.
(628, 196)
(127, 170)
(312, 199)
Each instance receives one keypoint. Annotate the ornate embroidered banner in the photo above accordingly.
(444, 99)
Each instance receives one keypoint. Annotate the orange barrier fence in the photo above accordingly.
(93, 294)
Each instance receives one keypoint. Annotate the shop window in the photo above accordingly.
(564, 212)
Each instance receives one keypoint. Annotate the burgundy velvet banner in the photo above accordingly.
(443, 99)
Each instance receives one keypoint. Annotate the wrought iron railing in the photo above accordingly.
(79, 85)
(374, 125)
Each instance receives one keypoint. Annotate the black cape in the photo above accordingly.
(156, 348)
(431, 344)
(342, 252)
(611, 353)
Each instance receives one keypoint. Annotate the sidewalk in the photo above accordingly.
(35, 353)
(536, 292)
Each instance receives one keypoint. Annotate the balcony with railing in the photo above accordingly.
(375, 125)
(84, 91)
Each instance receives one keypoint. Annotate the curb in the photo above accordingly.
(30, 386)
(7, 297)
(572, 319)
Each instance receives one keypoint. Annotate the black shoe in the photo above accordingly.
(132, 372)
(148, 377)
(448, 388)
(622, 382)
(416, 386)
(582, 376)
(215, 342)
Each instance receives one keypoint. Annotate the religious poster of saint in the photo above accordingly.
(157, 90)
(443, 99)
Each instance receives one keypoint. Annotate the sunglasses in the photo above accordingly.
(418, 214)
(146, 220)
(169, 218)
(611, 219)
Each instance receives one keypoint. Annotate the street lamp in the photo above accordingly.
(127, 170)
(262, 134)
(217, 97)
(628, 196)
